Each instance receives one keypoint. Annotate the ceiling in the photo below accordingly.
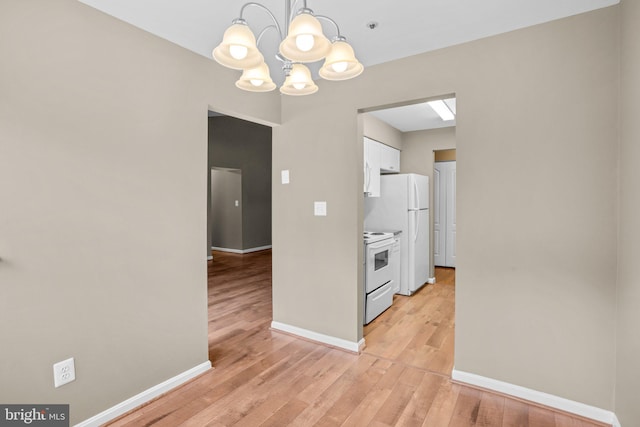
(405, 27)
(409, 118)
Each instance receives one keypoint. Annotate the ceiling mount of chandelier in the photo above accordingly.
(304, 42)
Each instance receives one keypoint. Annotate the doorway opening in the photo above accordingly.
(419, 326)
(444, 208)
(239, 237)
(240, 149)
(226, 209)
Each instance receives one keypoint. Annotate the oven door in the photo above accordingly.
(379, 268)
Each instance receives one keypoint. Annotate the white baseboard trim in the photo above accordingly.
(241, 251)
(210, 257)
(258, 249)
(431, 280)
(350, 346)
(539, 397)
(145, 396)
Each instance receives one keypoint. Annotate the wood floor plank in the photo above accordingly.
(266, 378)
(286, 414)
(325, 373)
(443, 405)
(399, 398)
(516, 414)
(364, 413)
(417, 408)
(490, 411)
(539, 417)
(258, 383)
(382, 381)
(467, 407)
(362, 369)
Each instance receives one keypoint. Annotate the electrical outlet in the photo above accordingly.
(64, 372)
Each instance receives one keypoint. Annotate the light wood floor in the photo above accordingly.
(265, 378)
(418, 330)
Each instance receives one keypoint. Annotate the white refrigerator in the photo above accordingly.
(403, 206)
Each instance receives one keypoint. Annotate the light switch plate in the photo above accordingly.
(320, 208)
(285, 176)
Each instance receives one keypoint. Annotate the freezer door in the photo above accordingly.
(389, 211)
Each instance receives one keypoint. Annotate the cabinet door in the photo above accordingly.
(389, 159)
(372, 155)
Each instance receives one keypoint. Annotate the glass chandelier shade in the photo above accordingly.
(341, 63)
(256, 79)
(238, 49)
(299, 82)
(305, 42)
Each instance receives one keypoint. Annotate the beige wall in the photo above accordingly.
(317, 260)
(103, 206)
(380, 131)
(535, 300)
(537, 235)
(103, 181)
(628, 348)
(418, 157)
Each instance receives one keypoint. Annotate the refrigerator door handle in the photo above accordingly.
(417, 207)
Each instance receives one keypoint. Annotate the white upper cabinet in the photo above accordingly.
(378, 158)
(389, 159)
(372, 157)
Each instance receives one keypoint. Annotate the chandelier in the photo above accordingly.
(304, 42)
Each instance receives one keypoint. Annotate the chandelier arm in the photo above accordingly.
(326, 18)
(258, 5)
(264, 30)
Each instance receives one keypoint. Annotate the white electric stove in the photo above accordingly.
(379, 267)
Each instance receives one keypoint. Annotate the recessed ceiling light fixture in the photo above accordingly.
(304, 42)
(442, 109)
